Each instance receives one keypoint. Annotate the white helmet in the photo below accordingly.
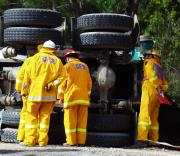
(49, 44)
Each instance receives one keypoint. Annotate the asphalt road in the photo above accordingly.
(7, 149)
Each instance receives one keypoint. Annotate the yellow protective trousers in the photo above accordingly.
(37, 122)
(148, 126)
(75, 123)
(21, 130)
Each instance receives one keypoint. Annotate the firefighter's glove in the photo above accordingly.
(159, 89)
(61, 101)
(49, 86)
(25, 90)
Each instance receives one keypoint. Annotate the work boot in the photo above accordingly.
(151, 144)
(81, 145)
(21, 143)
(42, 145)
(68, 145)
(140, 144)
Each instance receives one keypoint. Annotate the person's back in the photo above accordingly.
(45, 68)
(78, 81)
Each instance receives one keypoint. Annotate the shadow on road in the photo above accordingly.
(37, 150)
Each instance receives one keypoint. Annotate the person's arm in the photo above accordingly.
(19, 77)
(26, 84)
(165, 86)
(59, 79)
(61, 90)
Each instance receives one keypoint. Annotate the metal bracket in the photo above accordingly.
(1, 112)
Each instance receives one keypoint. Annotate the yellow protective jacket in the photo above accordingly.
(45, 67)
(153, 74)
(76, 88)
(20, 75)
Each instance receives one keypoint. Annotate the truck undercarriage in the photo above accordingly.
(103, 41)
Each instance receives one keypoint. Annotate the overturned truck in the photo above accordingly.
(104, 41)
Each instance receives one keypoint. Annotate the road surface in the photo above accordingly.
(8, 149)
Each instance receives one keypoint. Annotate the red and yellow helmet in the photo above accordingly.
(69, 52)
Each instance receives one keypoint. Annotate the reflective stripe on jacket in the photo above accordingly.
(76, 88)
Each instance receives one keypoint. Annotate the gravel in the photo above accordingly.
(7, 149)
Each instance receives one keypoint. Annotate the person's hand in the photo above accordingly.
(159, 89)
(49, 86)
(61, 101)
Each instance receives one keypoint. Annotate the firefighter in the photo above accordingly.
(19, 81)
(153, 83)
(74, 92)
(45, 67)
(18, 87)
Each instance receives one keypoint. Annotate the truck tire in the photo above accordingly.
(111, 122)
(109, 139)
(55, 120)
(26, 35)
(9, 135)
(32, 17)
(11, 117)
(105, 21)
(109, 40)
(57, 135)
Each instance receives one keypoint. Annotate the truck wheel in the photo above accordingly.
(26, 35)
(105, 21)
(110, 40)
(109, 139)
(32, 17)
(56, 120)
(11, 117)
(57, 135)
(111, 122)
(9, 135)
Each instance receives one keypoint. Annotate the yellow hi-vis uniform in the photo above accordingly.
(148, 126)
(75, 91)
(18, 87)
(44, 68)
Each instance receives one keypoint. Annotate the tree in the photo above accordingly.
(158, 18)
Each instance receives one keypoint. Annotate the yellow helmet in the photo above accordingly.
(39, 47)
(156, 52)
(152, 52)
(148, 52)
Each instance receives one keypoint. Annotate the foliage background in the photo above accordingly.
(158, 18)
